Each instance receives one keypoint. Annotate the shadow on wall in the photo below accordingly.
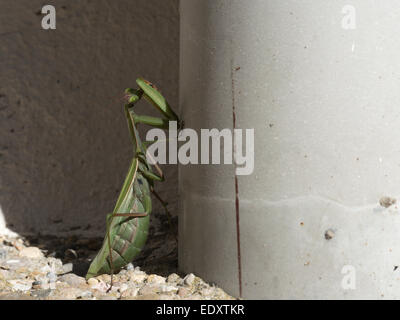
(64, 143)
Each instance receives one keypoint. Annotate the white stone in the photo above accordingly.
(168, 288)
(31, 252)
(21, 285)
(155, 279)
(189, 279)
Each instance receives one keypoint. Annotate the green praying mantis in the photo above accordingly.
(128, 224)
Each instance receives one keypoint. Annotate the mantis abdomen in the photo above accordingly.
(127, 235)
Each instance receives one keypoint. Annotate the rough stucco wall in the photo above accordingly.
(64, 144)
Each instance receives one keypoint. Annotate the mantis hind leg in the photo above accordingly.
(108, 222)
(159, 177)
(109, 219)
(169, 216)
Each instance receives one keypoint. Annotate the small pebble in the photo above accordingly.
(18, 244)
(189, 279)
(31, 252)
(68, 267)
(3, 254)
(183, 292)
(123, 287)
(69, 293)
(173, 278)
(149, 289)
(129, 266)
(43, 293)
(167, 288)
(138, 277)
(45, 269)
(129, 293)
(122, 272)
(21, 285)
(46, 286)
(72, 279)
(51, 276)
(101, 287)
(105, 277)
(155, 279)
(12, 261)
(207, 292)
(92, 282)
(86, 294)
(36, 284)
(55, 265)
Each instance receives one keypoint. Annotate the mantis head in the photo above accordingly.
(133, 95)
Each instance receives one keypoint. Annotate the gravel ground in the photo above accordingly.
(51, 268)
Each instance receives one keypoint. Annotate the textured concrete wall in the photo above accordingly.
(64, 144)
(323, 101)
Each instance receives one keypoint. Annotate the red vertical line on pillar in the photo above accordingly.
(239, 258)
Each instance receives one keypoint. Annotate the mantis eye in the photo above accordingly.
(151, 85)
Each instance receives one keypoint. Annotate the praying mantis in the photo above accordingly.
(128, 224)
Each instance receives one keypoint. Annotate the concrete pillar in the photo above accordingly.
(318, 81)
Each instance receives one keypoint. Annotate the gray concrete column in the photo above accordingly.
(319, 82)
